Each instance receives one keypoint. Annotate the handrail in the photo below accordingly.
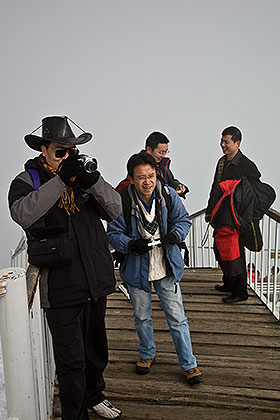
(38, 341)
(273, 214)
(266, 262)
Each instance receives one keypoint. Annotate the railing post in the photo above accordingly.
(16, 346)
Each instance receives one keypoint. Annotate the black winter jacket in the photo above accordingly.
(238, 167)
(90, 275)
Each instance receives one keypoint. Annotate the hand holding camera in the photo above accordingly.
(81, 166)
(140, 246)
(70, 167)
(88, 179)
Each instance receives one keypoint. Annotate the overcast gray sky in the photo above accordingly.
(124, 68)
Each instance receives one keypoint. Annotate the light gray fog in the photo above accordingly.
(124, 68)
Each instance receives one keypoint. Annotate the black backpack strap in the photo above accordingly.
(126, 203)
(167, 197)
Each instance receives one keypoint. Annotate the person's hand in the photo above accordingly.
(182, 190)
(87, 180)
(171, 238)
(70, 167)
(139, 246)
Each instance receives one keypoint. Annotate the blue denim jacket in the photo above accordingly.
(134, 269)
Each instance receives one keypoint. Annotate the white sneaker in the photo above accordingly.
(107, 410)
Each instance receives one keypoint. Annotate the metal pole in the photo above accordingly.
(16, 346)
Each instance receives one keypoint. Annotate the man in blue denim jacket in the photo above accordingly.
(151, 255)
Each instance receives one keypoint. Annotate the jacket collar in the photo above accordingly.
(236, 160)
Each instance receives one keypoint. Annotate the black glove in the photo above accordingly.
(70, 167)
(87, 180)
(170, 238)
(139, 246)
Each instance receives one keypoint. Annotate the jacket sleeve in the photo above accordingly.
(213, 192)
(26, 205)
(116, 233)
(180, 222)
(107, 199)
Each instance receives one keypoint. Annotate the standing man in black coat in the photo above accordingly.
(58, 198)
(230, 166)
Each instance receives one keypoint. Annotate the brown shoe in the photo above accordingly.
(143, 366)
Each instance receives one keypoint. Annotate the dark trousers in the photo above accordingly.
(81, 355)
(238, 284)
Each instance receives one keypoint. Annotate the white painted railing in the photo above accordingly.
(28, 362)
(266, 262)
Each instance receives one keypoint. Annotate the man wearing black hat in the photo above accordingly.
(59, 202)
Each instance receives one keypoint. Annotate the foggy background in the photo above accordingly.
(124, 68)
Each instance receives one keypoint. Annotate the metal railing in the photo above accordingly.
(29, 369)
(263, 266)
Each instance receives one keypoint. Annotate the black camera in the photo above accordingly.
(89, 164)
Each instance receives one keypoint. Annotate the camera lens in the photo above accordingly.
(90, 165)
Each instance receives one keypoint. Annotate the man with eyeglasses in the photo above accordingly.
(57, 202)
(148, 238)
(157, 145)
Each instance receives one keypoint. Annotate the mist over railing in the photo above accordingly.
(263, 267)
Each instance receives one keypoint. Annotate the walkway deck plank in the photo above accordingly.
(237, 348)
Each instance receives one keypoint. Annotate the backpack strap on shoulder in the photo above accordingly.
(35, 178)
(167, 197)
(126, 203)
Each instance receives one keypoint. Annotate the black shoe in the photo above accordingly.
(222, 288)
(235, 299)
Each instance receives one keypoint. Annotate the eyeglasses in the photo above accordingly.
(60, 153)
(145, 177)
(162, 152)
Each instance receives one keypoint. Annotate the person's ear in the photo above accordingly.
(149, 150)
(238, 143)
(130, 179)
(43, 150)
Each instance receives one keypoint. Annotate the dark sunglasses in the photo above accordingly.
(60, 153)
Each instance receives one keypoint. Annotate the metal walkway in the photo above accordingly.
(237, 348)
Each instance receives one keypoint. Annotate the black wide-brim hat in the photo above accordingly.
(56, 129)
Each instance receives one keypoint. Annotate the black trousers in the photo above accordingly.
(81, 355)
(238, 284)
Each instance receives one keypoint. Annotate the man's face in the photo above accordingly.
(159, 152)
(229, 147)
(53, 154)
(144, 181)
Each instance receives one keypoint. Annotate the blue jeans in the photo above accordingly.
(170, 297)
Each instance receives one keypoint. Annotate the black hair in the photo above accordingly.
(234, 132)
(46, 143)
(154, 139)
(141, 158)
